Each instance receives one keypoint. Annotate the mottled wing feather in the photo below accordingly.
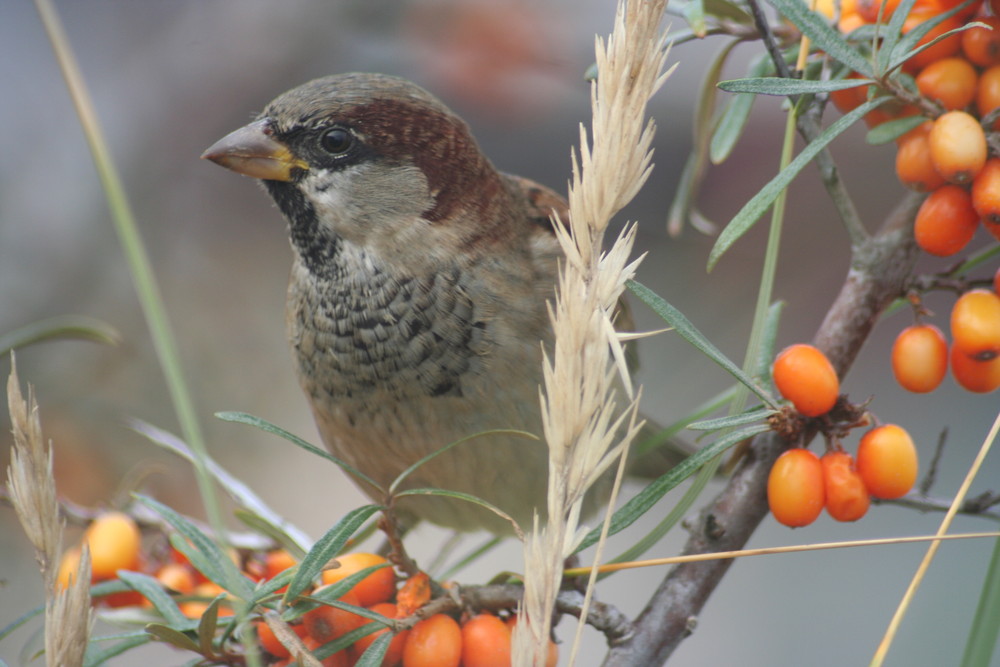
(542, 203)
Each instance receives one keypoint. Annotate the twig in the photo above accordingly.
(878, 270)
(928, 481)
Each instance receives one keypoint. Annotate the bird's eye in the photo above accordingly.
(336, 141)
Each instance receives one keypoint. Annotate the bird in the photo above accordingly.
(416, 306)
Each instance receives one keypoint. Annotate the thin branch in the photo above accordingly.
(878, 270)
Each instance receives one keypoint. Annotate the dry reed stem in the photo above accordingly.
(583, 426)
(68, 615)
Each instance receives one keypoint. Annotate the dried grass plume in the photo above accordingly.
(585, 430)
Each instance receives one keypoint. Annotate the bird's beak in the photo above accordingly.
(252, 151)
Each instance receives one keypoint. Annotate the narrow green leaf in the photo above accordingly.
(749, 417)
(96, 657)
(776, 85)
(72, 327)
(21, 620)
(326, 548)
(458, 495)
(208, 624)
(438, 452)
(276, 525)
(694, 13)
(736, 114)
(267, 528)
(824, 37)
(759, 203)
(220, 568)
(982, 641)
(648, 497)
(905, 48)
(264, 425)
(890, 34)
(727, 10)
(690, 333)
(373, 656)
(167, 634)
(152, 590)
(768, 338)
(893, 129)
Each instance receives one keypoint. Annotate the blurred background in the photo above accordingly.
(169, 78)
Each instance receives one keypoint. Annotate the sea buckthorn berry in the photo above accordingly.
(394, 655)
(376, 587)
(325, 623)
(68, 566)
(849, 99)
(552, 659)
(975, 324)
(208, 590)
(951, 82)
(795, 491)
(805, 377)
(914, 165)
(434, 642)
(114, 541)
(846, 495)
(946, 221)
(992, 227)
(270, 642)
(338, 659)
(485, 642)
(982, 45)
(986, 191)
(176, 577)
(887, 461)
(958, 146)
(869, 9)
(947, 47)
(980, 377)
(920, 358)
(988, 92)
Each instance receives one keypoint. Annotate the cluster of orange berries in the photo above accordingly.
(801, 484)
(921, 357)
(482, 640)
(949, 158)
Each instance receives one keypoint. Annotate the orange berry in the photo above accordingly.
(338, 659)
(920, 358)
(795, 491)
(947, 47)
(805, 377)
(325, 623)
(982, 45)
(485, 642)
(869, 9)
(278, 561)
(114, 542)
(975, 324)
(68, 566)
(958, 146)
(988, 91)
(196, 608)
(951, 82)
(914, 165)
(552, 659)
(376, 587)
(992, 227)
(394, 655)
(887, 461)
(269, 641)
(946, 221)
(980, 377)
(176, 577)
(846, 496)
(849, 99)
(986, 191)
(434, 642)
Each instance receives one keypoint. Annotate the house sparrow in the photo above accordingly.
(417, 303)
